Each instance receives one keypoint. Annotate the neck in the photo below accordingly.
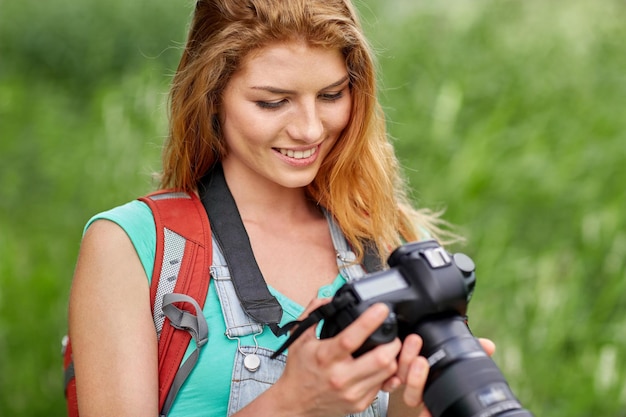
(261, 200)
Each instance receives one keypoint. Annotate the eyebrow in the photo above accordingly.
(277, 90)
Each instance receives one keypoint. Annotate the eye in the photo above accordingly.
(270, 104)
(331, 96)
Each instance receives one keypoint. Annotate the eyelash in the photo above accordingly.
(332, 97)
(276, 104)
(270, 104)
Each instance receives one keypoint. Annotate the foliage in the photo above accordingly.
(508, 113)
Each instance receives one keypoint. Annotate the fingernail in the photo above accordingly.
(380, 310)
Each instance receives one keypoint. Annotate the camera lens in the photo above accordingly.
(463, 380)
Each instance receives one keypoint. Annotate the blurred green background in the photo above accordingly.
(508, 113)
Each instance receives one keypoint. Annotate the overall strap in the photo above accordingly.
(231, 235)
(346, 259)
(179, 285)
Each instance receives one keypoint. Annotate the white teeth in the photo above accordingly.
(298, 154)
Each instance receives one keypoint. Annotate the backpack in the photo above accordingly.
(181, 276)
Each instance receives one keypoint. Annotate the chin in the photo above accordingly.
(297, 180)
(296, 184)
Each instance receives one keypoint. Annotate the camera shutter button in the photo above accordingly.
(464, 263)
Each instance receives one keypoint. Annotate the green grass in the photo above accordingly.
(508, 113)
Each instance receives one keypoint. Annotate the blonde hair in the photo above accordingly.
(360, 181)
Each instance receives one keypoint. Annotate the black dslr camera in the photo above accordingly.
(427, 291)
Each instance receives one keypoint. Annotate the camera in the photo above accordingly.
(427, 291)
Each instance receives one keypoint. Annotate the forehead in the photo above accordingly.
(292, 63)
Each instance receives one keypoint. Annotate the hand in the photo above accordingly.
(407, 385)
(321, 377)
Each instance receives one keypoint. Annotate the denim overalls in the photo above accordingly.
(246, 385)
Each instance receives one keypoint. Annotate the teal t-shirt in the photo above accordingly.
(207, 390)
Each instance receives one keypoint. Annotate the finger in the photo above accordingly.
(416, 379)
(375, 369)
(352, 337)
(381, 362)
(391, 384)
(425, 412)
(410, 349)
(487, 345)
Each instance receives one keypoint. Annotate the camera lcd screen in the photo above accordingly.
(374, 286)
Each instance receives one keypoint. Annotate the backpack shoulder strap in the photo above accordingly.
(179, 286)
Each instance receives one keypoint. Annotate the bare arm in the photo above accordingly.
(111, 328)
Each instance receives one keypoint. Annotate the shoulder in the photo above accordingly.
(137, 222)
(132, 215)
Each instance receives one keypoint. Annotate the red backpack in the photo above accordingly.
(180, 277)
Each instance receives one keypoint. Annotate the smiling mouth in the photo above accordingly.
(298, 154)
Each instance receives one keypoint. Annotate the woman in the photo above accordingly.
(280, 97)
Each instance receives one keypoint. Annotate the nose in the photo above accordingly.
(306, 124)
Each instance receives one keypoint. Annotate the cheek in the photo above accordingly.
(244, 128)
(339, 117)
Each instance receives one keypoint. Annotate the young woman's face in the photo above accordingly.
(283, 111)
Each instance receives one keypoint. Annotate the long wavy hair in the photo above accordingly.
(359, 182)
